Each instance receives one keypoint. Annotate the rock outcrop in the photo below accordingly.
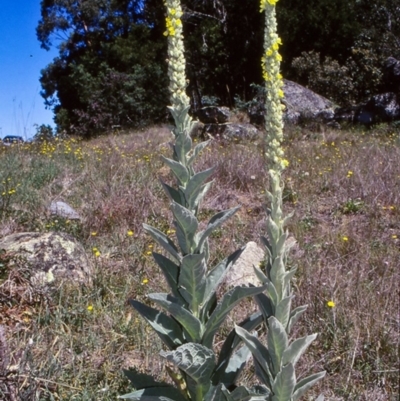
(53, 257)
(301, 105)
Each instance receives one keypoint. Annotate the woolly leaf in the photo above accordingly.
(258, 393)
(295, 316)
(197, 149)
(215, 222)
(163, 241)
(195, 185)
(284, 384)
(227, 303)
(192, 279)
(167, 329)
(230, 344)
(282, 311)
(173, 194)
(303, 385)
(191, 324)
(171, 272)
(179, 170)
(261, 355)
(277, 342)
(198, 362)
(167, 393)
(296, 349)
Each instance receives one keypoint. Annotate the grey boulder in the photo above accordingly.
(53, 257)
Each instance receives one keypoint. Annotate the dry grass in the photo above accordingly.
(343, 186)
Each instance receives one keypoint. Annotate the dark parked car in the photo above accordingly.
(12, 139)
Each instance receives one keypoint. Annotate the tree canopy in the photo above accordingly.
(111, 67)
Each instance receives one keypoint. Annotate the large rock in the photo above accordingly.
(242, 271)
(301, 103)
(231, 131)
(213, 115)
(51, 256)
(384, 107)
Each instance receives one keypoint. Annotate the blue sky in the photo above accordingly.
(21, 60)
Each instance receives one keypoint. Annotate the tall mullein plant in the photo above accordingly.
(191, 313)
(275, 362)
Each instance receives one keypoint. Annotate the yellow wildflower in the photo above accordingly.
(129, 233)
(90, 308)
(145, 281)
(345, 238)
(331, 304)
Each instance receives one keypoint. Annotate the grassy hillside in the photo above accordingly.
(71, 343)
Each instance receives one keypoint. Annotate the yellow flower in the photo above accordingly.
(394, 236)
(331, 304)
(345, 238)
(129, 233)
(97, 254)
(90, 308)
(93, 233)
(145, 281)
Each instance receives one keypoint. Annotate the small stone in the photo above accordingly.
(62, 209)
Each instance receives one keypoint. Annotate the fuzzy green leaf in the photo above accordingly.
(284, 383)
(190, 323)
(186, 224)
(195, 186)
(277, 342)
(179, 170)
(163, 241)
(282, 311)
(183, 143)
(235, 366)
(265, 305)
(267, 244)
(142, 380)
(230, 344)
(173, 194)
(193, 279)
(197, 149)
(277, 275)
(171, 272)
(261, 355)
(167, 329)
(287, 218)
(287, 279)
(167, 393)
(198, 197)
(215, 222)
(273, 234)
(303, 385)
(281, 243)
(296, 349)
(260, 275)
(227, 303)
(258, 393)
(295, 316)
(216, 276)
(198, 362)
